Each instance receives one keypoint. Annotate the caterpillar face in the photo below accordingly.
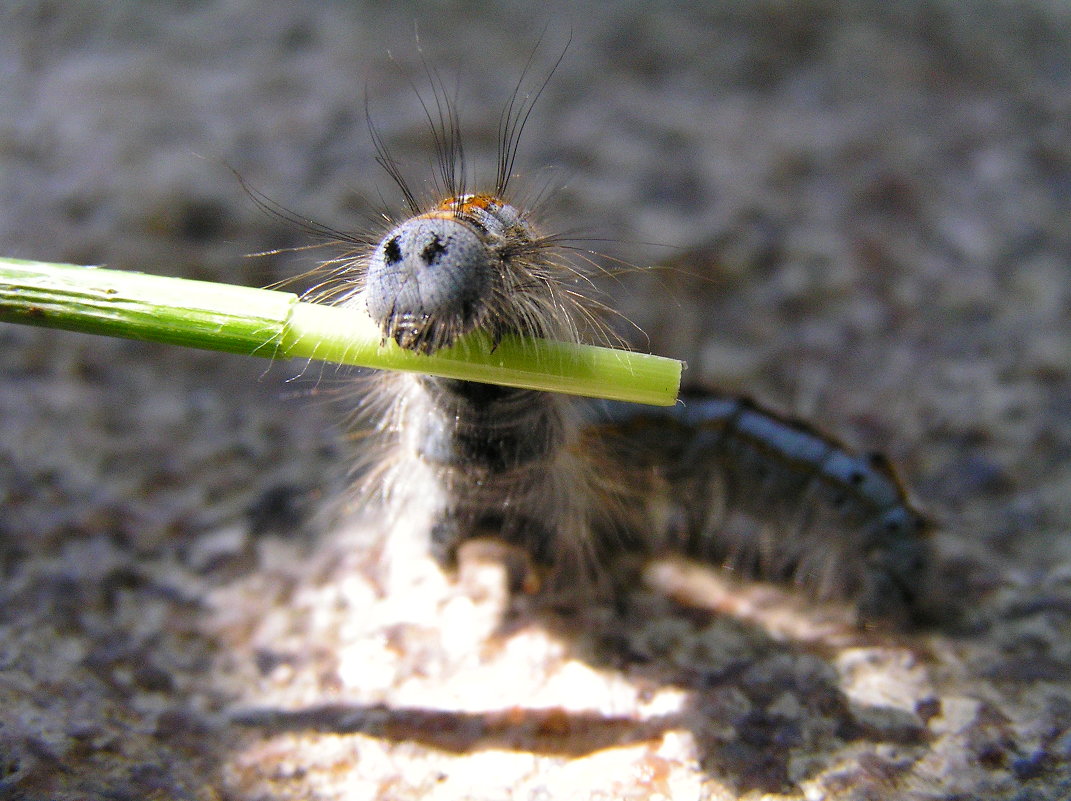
(433, 277)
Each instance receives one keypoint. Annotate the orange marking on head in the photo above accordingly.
(467, 204)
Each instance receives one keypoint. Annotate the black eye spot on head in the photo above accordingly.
(879, 461)
(392, 251)
(432, 251)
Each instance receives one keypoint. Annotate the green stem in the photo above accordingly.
(261, 322)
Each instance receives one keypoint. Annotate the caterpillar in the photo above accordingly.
(575, 485)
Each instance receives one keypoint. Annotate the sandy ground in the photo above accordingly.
(865, 207)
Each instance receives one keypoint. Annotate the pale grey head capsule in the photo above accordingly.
(428, 282)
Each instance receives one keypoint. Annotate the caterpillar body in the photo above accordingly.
(575, 485)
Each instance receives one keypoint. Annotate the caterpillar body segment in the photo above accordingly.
(773, 499)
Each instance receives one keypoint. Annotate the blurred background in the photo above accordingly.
(860, 211)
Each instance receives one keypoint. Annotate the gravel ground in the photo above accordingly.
(866, 209)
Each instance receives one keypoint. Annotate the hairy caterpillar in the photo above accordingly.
(573, 484)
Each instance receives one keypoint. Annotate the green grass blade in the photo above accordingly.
(260, 322)
(177, 311)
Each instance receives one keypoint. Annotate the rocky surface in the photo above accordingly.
(865, 210)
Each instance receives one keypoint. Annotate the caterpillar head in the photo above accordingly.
(443, 273)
